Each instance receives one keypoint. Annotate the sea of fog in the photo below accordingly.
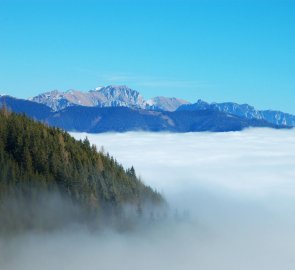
(232, 196)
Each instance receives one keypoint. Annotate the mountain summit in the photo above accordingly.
(109, 96)
(121, 96)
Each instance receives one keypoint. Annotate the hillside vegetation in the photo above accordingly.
(36, 159)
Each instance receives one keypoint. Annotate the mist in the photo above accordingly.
(231, 198)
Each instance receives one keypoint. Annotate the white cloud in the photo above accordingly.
(254, 162)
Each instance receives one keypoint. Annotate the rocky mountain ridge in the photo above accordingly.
(243, 110)
(124, 119)
(109, 96)
(123, 96)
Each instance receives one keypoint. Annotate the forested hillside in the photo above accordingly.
(35, 159)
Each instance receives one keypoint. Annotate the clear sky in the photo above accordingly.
(242, 50)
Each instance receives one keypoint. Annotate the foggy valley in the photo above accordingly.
(231, 206)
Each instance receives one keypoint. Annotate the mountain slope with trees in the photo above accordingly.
(37, 159)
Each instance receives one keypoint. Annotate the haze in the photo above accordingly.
(231, 197)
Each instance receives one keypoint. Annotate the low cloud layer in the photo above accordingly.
(232, 199)
(253, 162)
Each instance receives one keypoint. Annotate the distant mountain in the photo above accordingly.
(32, 109)
(243, 110)
(278, 118)
(120, 108)
(122, 119)
(166, 104)
(121, 96)
(109, 96)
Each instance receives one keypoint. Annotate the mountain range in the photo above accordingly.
(244, 110)
(120, 108)
(109, 96)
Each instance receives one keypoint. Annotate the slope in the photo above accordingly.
(37, 160)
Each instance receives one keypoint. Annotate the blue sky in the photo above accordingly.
(242, 51)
